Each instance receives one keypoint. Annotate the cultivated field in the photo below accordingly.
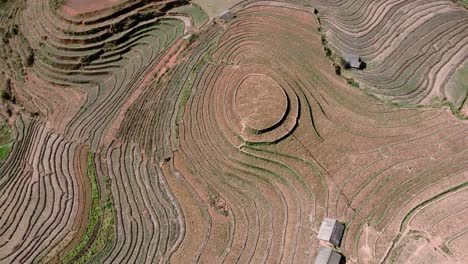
(156, 132)
(412, 48)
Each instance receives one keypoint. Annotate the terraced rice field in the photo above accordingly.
(155, 132)
(413, 48)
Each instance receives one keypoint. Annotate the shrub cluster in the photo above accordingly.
(56, 4)
(352, 82)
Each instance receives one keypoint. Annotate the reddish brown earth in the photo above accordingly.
(232, 146)
(170, 59)
(77, 7)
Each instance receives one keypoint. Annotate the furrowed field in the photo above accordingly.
(151, 131)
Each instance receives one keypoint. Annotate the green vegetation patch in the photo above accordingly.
(198, 15)
(352, 82)
(187, 89)
(446, 250)
(100, 230)
(5, 133)
(5, 140)
(56, 4)
(462, 2)
(106, 233)
(460, 86)
(4, 151)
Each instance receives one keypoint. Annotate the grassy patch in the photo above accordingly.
(446, 250)
(198, 15)
(352, 82)
(56, 4)
(5, 133)
(4, 151)
(106, 233)
(187, 89)
(184, 96)
(462, 2)
(5, 141)
(100, 216)
(95, 210)
(459, 91)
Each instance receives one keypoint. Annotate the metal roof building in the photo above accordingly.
(352, 61)
(328, 256)
(331, 231)
(227, 16)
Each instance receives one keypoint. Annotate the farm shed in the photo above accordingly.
(227, 16)
(328, 256)
(331, 231)
(352, 61)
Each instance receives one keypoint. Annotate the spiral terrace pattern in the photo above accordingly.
(233, 146)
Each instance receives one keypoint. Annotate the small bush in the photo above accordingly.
(446, 250)
(131, 21)
(352, 82)
(316, 11)
(344, 63)
(14, 30)
(328, 51)
(193, 38)
(363, 66)
(324, 40)
(172, 5)
(56, 4)
(108, 46)
(5, 95)
(337, 69)
(88, 59)
(30, 59)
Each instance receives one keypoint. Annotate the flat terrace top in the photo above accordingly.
(76, 7)
(260, 102)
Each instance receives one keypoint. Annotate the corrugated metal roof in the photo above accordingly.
(227, 15)
(331, 231)
(326, 229)
(323, 255)
(335, 258)
(327, 256)
(353, 60)
(337, 233)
